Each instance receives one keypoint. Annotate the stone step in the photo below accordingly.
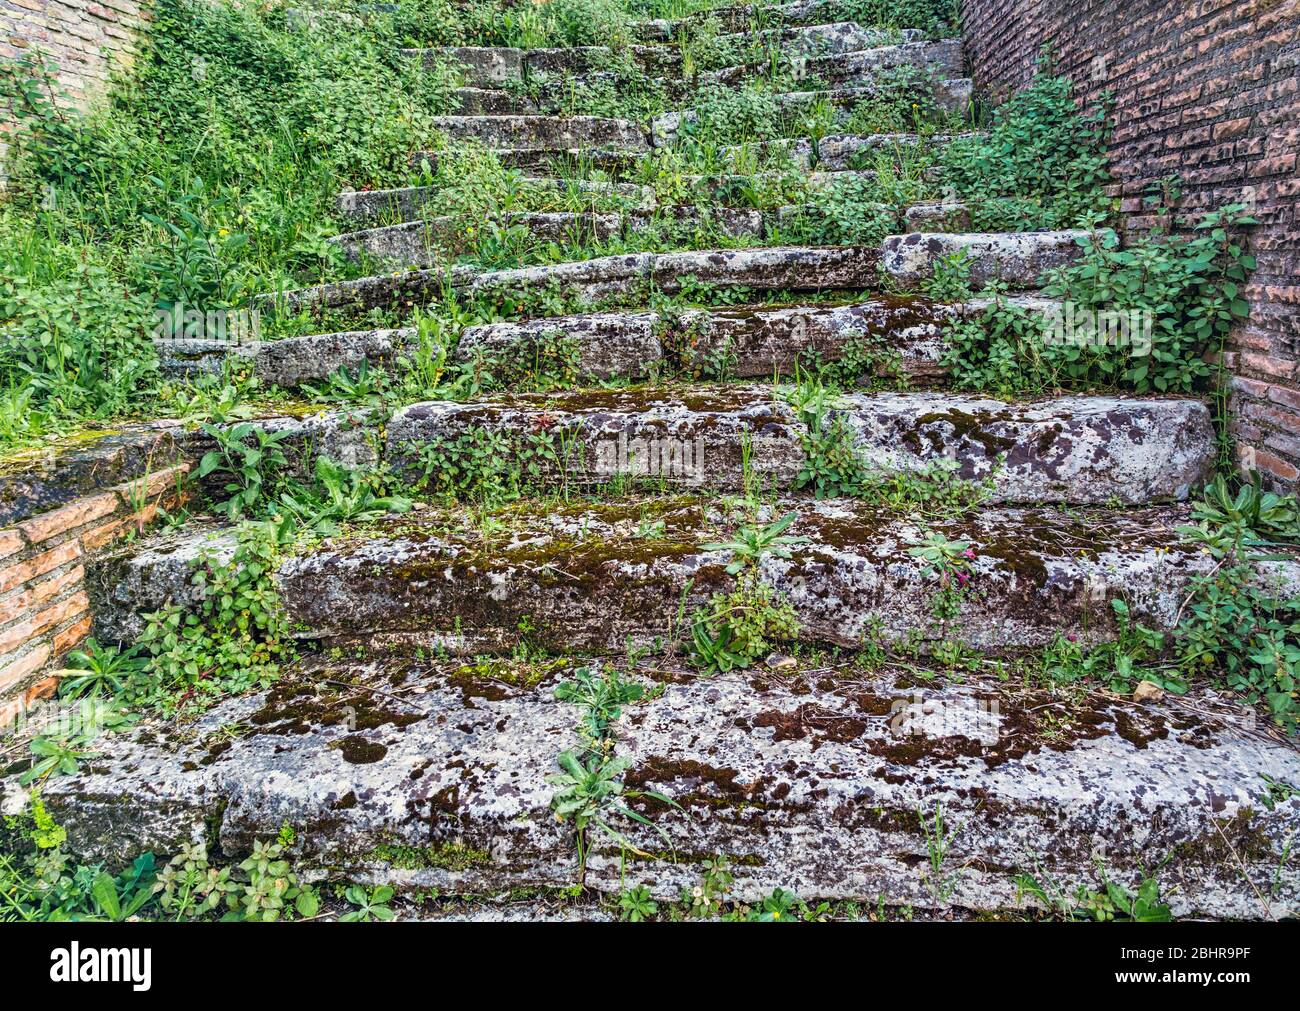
(435, 780)
(493, 102)
(855, 67)
(292, 361)
(407, 203)
(950, 95)
(837, 152)
(545, 133)
(1017, 258)
(851, 69)
(745, 18)
(823, 40)
(632, 275)
(907, 333)
(594, 576)
(496, 66)
(1077, 450)
(424, 243)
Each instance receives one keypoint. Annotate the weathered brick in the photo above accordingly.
(33, 625)
(69, 517)
(23, 667)
(21, 572)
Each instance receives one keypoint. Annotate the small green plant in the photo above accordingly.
(97, 671)
(635, 905)
(338, 496)
(738, 627)
(752, 542)
(369, 905)
(249, 458)
(1112, 901)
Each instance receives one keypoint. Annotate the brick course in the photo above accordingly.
(44, 609)
(1209, 91)
(85, 41)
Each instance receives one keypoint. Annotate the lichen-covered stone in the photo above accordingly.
(480, 66)
(1017, 258)
(493, 102)
(937, 217)
(857, 67)
(592, 577)
(405, 203)
(820, 787)
(837, 152)
(447, 789)
(949, 95)
(694, 438)
(292, 361)
(35, 481)
(1077, 450)
(825, 40)
(545, 132)
(1081, 450)
(424, 243)
(578, 60)
(758, 341)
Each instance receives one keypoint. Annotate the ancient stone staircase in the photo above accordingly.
(805, 780)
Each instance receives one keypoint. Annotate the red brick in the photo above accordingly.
(69, 517)
(22, 572)
(25, 666)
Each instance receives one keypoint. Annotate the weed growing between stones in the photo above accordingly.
(589, 786)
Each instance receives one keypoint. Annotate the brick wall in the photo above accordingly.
(84, 38)
(44, 606)
(1208, 90)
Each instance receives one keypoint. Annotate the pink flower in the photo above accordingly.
(969, 554)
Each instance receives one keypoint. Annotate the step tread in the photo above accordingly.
(453, 767)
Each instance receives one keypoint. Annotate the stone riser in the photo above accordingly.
(950, 96)
(426, 243)
(1076, 450)
(820, 791)
(407, 203)
(1016, 259)
(794, 269)
(588, 578)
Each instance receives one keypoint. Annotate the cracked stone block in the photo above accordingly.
(545, 132)
(1018, 258)
(593, 576)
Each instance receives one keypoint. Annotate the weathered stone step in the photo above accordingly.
(836, 152)
(770, 269)
(495, 66)
(745, 18)
(1017, 258)
(858, 67)
(407, 203)
(494, 102)
(534, 133)
(1078, 450)
(905, 333)
(424, 243)
(436, 781)
(949, 95)
(594, 576)
(756, 341)
(291, 361)
(823, 40)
